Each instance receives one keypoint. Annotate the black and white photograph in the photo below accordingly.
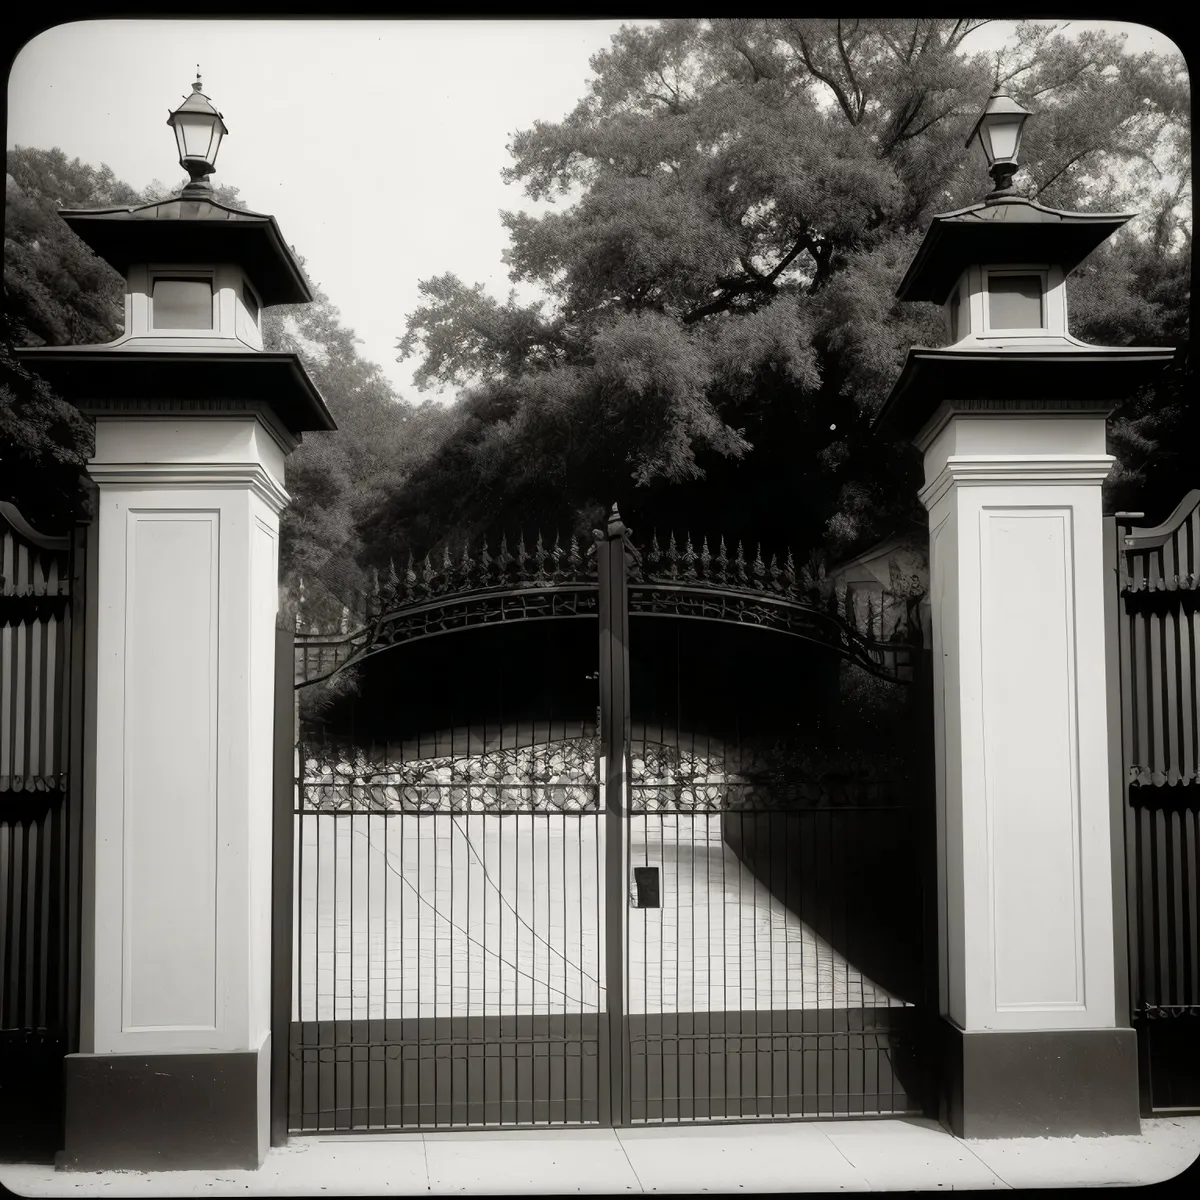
(598, 605)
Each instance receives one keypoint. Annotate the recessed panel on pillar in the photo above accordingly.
(170, 890)
(1031, 776)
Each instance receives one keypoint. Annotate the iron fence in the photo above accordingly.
(41, 815)
(1156, 614)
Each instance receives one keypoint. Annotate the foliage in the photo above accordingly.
(718, 324)
(58, 292)
(337, 480)
(44, 443)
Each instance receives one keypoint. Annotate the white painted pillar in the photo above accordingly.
(180, 961)
(1025, 887)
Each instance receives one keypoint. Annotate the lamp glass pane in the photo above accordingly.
(1015, 301)
(182, 304)
(250, 302)
(197, 132)
(214, 144)
(1001, 132)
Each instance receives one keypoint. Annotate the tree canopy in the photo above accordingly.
(712, 324)
(735, 203)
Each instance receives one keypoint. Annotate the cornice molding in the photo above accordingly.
(1041, 470)
(197, 476)
(165, 410)
(1009, 409)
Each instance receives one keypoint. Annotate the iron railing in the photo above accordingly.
(466, 590)
(41, 808)
(1157, 616)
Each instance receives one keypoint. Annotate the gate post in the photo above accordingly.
(1011, 421)
(614, 735)
(193, 424)
(282, 879)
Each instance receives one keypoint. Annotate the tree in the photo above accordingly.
(719, 324)
(337, 480)
(58, 292)
(44, 444)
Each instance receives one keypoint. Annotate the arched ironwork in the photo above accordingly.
(467, 591)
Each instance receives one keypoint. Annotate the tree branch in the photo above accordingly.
(891, 45)
(732, 289)
(956, 38)
(905, 135)
(912, 42)
(857, 91)
(744, 51)
(804, 243)
(931, 29)
(1091, 62)
(825, 79)
(1073, 159)
(1013, 74)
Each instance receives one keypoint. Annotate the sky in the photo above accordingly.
(376, 144)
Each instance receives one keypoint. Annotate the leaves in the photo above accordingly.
(739, 200)
(44, 443)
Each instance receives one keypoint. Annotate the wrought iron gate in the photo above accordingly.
(1155, 628)
(42, 648)
(520, 899)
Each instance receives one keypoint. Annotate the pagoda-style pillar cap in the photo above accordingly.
(1019, 231)
(976, 262)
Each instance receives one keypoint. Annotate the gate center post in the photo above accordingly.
(614, 735)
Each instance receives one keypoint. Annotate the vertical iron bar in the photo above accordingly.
(394, 816)
(501, 1061)
(923, 819)
(614, 707)
(282, 882)
(482, 1070)
(422, 816)
(679, 816)
(73, 726)
(1116, 742)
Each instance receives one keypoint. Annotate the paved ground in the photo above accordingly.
(443, 915)
(888, 1155)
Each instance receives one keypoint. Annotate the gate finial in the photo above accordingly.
(616, 526)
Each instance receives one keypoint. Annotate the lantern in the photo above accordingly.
(199, 129)
(999, 133)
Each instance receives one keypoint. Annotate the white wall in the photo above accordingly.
(1025, 887)
(186, 595)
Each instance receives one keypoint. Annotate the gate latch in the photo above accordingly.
(645, 885)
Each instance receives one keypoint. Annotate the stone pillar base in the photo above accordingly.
(166, 1112)
(1039, 1083)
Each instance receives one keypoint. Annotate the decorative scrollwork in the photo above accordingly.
(320, 656)
(738, 607)
(457, 589)
(562, 776)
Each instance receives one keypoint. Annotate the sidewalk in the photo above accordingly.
(886, 1155)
